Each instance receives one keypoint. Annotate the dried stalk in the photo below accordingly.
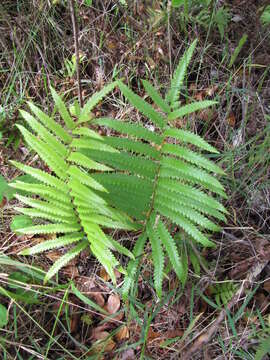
(77, 53)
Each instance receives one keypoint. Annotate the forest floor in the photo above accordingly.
(223, 312)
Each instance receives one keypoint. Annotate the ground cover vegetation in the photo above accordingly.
(134, 182)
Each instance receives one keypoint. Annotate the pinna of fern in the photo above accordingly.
(66, 200)
(161, 178)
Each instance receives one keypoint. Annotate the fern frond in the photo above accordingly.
(53, 244)
(41, 190)
(188, 137)
(171, 249)
(179, 75)
(126, 128)
(166, 205)
(80, 159)
(134, 264)
(142, 105)
(84, 178)
(65, 259)
(44, 134)
(191, 192)
(61, 107)
(50, 229)
(187, 226)
(157, 253)
(155, 96)
(133, 146)
(190, 108)
(86, 143)
(185, 172)
(42, 176)
(52, 125)
(84, 131)
(46, 207)
(37, 213)
(93, 101)
(125, 162)
(55, 162)
(192, 157)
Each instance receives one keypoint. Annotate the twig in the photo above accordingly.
(206, 336)
(76, 43)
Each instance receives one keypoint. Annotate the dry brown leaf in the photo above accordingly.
(170, 334)
(266, 286)
(211, 90)
(200, 96)
(152, 335)
(113, 304)
(98, 298)
(104, 275)
(71, 271)
(103, 346)
(122, 333)
(231, 120)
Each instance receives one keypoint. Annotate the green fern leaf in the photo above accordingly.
(156, 97)
(42, 176)
(50, 229)
(93, 101)
(65, 259)
(50, 124)
(87, 143)
(141, 105)
(61, 107)
(171, 249)
(84, 178)
(84, 131)
(187, 136)
(53, 244)
(190, 108)
(193, 193)
(125, 162)
(187, 172)
(37, 213)
(133, 265)
(42, 190)
(157, 254)
(187, 226)
(166, 202)
(179, 75)
(134, 130)
(80, 159)
(44, 134)
(192, 157)
(55, 162)
(133, 146)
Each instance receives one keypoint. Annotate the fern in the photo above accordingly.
(161, 178)
(151, 181)
(67, 201)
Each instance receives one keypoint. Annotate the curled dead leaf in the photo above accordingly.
(104, 342)
(113, 304)
(231, 120)
(98, 298)
(122, 333)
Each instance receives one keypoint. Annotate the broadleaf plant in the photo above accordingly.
(138, 179)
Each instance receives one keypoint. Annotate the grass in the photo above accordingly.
(142, 41)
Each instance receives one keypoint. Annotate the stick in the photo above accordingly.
(76, 43)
